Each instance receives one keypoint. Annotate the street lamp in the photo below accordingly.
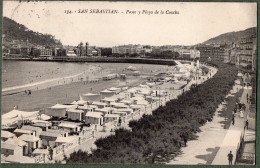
(159, 96)
(225, 108)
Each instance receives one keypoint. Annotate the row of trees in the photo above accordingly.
(162, 55)
(168, 54)
(160, 136)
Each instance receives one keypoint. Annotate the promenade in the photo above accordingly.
(235, 132)
(214, 142)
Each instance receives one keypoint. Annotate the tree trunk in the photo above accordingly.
(153, 158)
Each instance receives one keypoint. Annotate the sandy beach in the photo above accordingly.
(50, 93)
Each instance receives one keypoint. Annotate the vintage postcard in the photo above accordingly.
(129, 82)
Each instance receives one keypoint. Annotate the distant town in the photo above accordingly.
(242, 53)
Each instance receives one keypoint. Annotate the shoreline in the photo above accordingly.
(97, 60)
(89, 75)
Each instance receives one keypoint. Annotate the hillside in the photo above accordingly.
(231, 36)
(15, 31)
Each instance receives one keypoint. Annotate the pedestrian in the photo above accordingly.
(230, 158)
(241, 114)
(119, 121)
(233, 119)
(50, 153)
(246, 125)
(185, 141)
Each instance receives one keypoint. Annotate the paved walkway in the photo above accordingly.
(210, 141)
(232, 138)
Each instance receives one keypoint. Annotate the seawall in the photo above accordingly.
(98, 59)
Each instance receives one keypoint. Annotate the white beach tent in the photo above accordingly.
(6, 134)
(127, 102)
(111, 118)
(106, 110)
(79, 102)
(14, 116)
(120, 96)
(94, 118)
(8, 122)
(132, 68)
(127, 110)
(45, 117)
(107, 93)
(40, 121)
(119, 105)
(75, 114)
(114, 89)
(90, 97)
(17, 113)
(99, 104)
(108, 100)
(59, 110)
(142, 102)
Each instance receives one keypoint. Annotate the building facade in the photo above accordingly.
(246, 52)
(214, 52)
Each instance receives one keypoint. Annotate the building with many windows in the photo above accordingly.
(127, 49)
(246, 52)
(214, 52)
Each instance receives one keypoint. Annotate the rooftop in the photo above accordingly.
(16, 141)
(66, 139)
(30, 138)
(112, 115)
(91, 94)
(9, 146)
(41, 124)
(94, 114)
(75, 111)
(68, 125)
(31, 128)
(62, 106)
(50, 134)
(99, 103)
(6, 134)
(23, 131)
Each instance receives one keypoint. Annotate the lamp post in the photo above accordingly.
(225, 108)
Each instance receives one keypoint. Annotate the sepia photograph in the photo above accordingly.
(100, 82)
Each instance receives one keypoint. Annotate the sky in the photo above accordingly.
(195, 23)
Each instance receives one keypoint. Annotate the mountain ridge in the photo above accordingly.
(230, 37)
(16, 31)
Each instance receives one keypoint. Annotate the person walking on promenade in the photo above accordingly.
(246, 125)
(119, 121)
(233, 119)
(50, 153)
(230, 158)
(185, 140)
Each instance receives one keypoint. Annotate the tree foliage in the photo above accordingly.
(15, 31)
